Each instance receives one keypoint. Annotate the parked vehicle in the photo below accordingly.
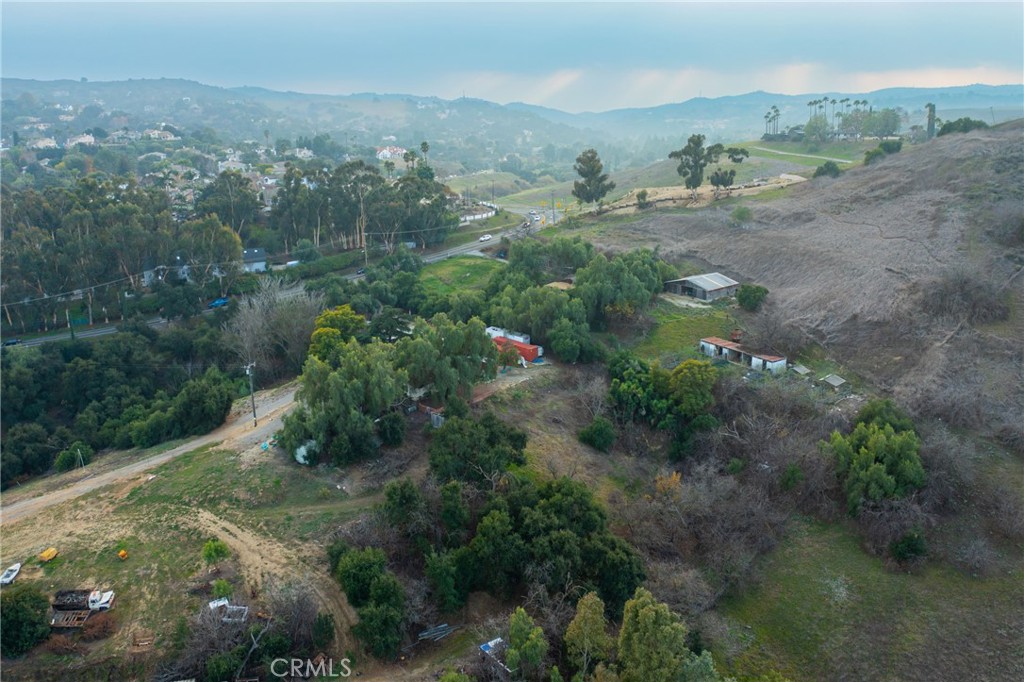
(218, 303)
(71, 608)
(486, 238)
(12, 342)
(10, 574)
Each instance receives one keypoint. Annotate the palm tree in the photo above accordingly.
(767, 120)
(775, 119)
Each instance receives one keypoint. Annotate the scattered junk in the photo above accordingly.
(834, 380)
(494, 652)
(303, 452)
(717, 348)
(143, 638)
(228, 612)
(707, 287)
(48, 554)
(10, 574)
(434, 634)
(71, 608)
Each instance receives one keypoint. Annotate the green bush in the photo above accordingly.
(323, 631)
(792, 477)
(68, 458)
(741, 215)
(23, 611)
(909, 547)
(391, 429)
(599, 434)
(735, 466)
(750, 296)
(222, 588)
(828, 169)
(890, 146)
(873, 155)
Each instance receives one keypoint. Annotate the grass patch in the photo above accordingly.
(462, 272)
(679, 330)
(827, 610)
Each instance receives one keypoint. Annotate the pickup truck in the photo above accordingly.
(71, 608)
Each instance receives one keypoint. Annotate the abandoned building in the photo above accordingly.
(717, 348)
(707, 287)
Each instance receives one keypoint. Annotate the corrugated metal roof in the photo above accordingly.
(711, 281)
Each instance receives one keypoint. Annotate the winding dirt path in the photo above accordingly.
(263, 558)
(239, 425)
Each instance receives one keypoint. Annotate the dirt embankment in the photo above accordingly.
(849, 262)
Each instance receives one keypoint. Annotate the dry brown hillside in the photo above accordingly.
(908, 271)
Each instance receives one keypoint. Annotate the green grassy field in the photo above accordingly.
(679, 330)
(462, 272)
(826, 610)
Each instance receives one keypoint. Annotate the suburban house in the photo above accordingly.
(707, 287)
(75, 140)
(717, 348)
(390, 152)
(254, 260)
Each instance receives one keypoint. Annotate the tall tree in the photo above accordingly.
(586, 637)
(232, 197)
(693, 159)
(652, 641)
(594, 183)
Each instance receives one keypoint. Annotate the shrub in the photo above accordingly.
(751, 296)
(23, 610)
(68, 458)
(792, 477)
(735, 466)
(599, 434)
(910, 547)
(890, 146)
(60, 645)
(961, 125)
(215, 550)
(828, 169)
(641, 200)
(873, 155)
(391, 429)
(100, 626)
(741, 215)
(222, 588)
(323, 631)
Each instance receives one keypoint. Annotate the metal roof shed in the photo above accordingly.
(706, 287)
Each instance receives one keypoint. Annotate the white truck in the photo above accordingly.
(71, 608)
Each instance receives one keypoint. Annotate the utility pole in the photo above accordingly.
(552, 207)
(249, 371)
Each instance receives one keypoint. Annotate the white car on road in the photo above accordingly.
(486, 238)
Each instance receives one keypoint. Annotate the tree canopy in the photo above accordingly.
(593, 184)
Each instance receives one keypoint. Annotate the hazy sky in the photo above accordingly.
(575, 56)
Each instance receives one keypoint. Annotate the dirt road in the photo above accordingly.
(273, 405)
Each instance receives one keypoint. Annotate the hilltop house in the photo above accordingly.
(390, 152)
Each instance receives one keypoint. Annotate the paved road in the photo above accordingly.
(269, 420)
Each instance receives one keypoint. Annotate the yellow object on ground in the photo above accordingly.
(48, 554)
(123, 554)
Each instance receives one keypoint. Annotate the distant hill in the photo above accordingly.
(473, 134)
